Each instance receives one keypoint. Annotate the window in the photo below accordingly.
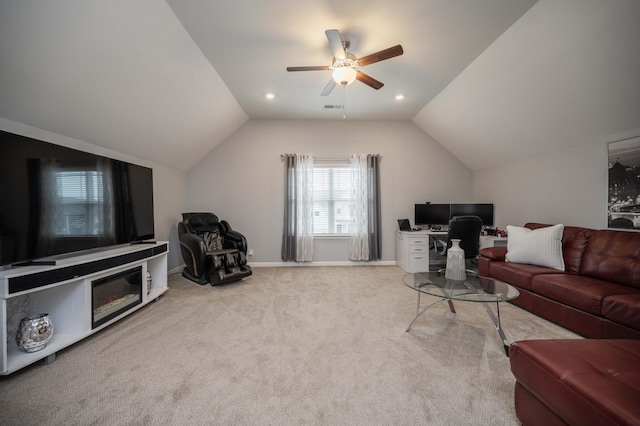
(81, 203)
(331, 198)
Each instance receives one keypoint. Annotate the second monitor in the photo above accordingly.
(440, 214)
(485, 211)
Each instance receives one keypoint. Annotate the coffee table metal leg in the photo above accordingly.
(451, 308)
(496, 322)
(426, 308)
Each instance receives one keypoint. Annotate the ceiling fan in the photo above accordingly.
(345, 64)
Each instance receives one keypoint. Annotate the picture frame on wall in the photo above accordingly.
(623, 198)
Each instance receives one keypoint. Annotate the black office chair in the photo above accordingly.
(467, 229)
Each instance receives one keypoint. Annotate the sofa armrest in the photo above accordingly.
(494, 253)
(488, 255)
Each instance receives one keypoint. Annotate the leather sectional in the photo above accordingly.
(593, 381)
(577, 382)
(598, 294)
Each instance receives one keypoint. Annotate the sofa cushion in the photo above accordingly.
(582, 381)
(517, 274)
(542, 247)
(583, 293)
(574, 242)
(613, 256)
(623, 309)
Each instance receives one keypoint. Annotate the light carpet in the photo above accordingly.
(286, 346)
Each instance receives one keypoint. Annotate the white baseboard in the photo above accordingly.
(327, 263)
(178, 270)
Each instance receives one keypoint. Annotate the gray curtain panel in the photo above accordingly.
(373, 187)
(289, 230)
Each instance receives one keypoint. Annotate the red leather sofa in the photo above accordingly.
(592, 381)
(598, 294)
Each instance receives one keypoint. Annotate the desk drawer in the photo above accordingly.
(418, 249)
(421, 241)
(419, 262)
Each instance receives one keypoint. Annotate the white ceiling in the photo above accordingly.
(169, 81)
(250, 43)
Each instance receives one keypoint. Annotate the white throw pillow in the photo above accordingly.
(542, 246)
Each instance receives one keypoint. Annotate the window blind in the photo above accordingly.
(331, 198)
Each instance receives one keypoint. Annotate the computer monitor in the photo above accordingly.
(484, 211)
(432, 214)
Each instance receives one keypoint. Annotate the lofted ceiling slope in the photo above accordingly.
(167, 81)
(118, 74)
(565, 74)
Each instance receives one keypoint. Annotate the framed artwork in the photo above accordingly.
(623, 207)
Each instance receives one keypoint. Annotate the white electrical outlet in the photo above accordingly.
(250, 252)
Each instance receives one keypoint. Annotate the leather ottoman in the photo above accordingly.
(577, 381)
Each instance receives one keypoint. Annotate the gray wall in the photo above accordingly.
(567, 186)
(242, 180)
(169, 185)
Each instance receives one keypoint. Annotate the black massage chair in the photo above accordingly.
(212, 251)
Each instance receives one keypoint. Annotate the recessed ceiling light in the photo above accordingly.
(399, 97)
(269, 96)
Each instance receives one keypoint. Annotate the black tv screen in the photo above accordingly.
(432, 214)
(56, 200)
(484, 211)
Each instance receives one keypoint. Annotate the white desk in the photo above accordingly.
(412, 250)
(492, 241)
(413, 254)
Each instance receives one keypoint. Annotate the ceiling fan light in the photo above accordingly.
(344, 75)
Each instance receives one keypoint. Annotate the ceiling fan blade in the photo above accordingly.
(335, 43)
(328, 88)
(381, 55)
(368, 80)
(318, 68)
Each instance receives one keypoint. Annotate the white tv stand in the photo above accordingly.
(64, 291)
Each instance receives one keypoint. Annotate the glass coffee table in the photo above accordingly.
(472, 289)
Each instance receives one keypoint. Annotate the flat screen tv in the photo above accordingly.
(484, 211)
(432, 214)
(56, 200)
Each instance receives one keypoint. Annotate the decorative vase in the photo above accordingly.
(456, 270)
(34, 332)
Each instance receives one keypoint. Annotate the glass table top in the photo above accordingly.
(472, 289)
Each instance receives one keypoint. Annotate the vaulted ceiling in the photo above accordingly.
(491, 80)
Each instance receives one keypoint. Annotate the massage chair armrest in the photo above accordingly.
(234, 239)
(193, 249)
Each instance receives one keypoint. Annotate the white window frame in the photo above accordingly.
(344, 165)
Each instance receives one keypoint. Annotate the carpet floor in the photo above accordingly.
(286, 346)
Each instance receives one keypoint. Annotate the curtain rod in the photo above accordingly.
(328, 158)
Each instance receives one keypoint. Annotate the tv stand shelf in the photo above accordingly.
(64, 291)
